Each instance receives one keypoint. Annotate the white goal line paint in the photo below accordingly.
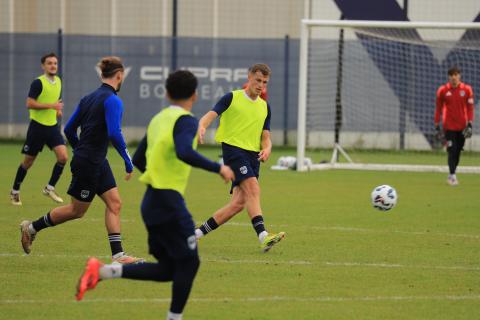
(364, 230)
(250, 299)
(273, 262)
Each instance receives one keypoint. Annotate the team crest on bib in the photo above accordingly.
(192, 242)
(243, 170)
(462, 93)
(84, 194)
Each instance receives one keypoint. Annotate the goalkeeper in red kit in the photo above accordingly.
(455, 106)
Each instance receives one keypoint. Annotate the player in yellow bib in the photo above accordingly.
(44, 105)
(165, 156)
(244, 133)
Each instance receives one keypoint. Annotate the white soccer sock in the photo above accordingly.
(262, 236)
(31, 229)
(174, 316)
(110, 271)
(49, 187)
(15, 191)
(198, 233)
(118, 255)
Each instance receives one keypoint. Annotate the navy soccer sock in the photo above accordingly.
(43, 222)
(258, 224)
(115, 240)
(56, 173)
(209, 226)
(21, 173)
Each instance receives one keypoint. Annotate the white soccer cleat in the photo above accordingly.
(452, 180)
(52, 195)
(15, 198)
(126, 259)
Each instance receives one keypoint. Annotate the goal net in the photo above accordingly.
(372, 85)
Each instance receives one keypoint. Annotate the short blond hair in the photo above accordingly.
(262, 67)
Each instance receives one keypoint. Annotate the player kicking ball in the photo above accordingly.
(244, 133)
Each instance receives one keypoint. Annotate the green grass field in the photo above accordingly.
(341, 259)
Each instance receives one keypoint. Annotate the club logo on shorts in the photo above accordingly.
(449, 143)
(84, 194)
(243, 170)
(462, 93)
(192, 242)
(26, 148)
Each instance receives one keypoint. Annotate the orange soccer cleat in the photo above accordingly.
(89, 279)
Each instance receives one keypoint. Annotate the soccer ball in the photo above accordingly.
(384, 197)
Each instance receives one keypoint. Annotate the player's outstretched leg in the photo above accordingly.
(89, 279)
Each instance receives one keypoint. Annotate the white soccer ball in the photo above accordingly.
(384, 197)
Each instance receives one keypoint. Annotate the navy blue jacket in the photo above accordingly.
(99, 117)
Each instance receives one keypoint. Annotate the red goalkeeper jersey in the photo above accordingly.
(455, 105)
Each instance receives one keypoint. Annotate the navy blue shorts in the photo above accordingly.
(39, 135)
(171, 231)
(90, 179)
(244, 163)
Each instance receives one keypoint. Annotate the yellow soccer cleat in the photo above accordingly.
(270, 240)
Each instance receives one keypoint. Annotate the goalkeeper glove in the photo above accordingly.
(439, 133)
(467, 132)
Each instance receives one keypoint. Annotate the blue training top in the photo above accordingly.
(99, 116)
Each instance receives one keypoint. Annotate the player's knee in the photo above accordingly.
(77, 212)
(252, 191)
(115, 206)
(27, 163)
(237, 206)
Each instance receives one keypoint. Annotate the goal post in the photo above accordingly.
(389, 72)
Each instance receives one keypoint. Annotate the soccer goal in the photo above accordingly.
(372, 85)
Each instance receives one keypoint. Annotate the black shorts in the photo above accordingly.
(455, 140)
(171, 231)
(244, 163)
(90, 179)
(38, 135)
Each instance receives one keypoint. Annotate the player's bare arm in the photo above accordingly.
(204, 123)
(34, 104)
(264, 154)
